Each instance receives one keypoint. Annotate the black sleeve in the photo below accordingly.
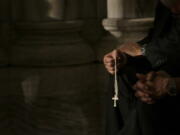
(139, 63)
(165, 49)
(162, 17)
(147, 39)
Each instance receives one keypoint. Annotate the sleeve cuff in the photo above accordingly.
(155, 57)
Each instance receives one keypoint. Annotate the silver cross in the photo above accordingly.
(115, 99)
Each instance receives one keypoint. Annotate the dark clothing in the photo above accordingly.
(163, 42)
(132, 117)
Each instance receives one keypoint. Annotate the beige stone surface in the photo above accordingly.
(128, 29)
(54, 101)
(115, 8)
(52, 43)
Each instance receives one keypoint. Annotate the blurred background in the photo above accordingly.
(52, 79)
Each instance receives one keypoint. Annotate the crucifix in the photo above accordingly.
(115, 98)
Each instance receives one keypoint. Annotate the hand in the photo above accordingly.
(109, 60)
(152, 86)
(132, 49)
(141, 89)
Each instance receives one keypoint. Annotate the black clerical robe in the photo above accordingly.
(131, 116)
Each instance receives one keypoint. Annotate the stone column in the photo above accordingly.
(51, 22)
(30, 10)
(115, 12)
(57, 9)
(115, 8)
(124, 19)
(51, 63)
(73, 9)
(65, 9)
(50, 43)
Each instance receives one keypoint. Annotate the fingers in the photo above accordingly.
(152, 86)
(109, 61)
(110, 64)
(144, 97)
(145, 82)
(142, 86)
(116, 54)
(111, 70)
(119, 56)
(151, 76)
(141, 94)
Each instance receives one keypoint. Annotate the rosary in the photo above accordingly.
(115, 98)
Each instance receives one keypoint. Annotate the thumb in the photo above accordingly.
(114, 54)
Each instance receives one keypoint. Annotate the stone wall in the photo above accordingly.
(52, 80)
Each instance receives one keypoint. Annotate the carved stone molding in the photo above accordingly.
(124, 23)
(52, 43)
(127, 18)
(120, 31)
(128, 29)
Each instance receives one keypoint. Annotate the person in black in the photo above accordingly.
(160, 50)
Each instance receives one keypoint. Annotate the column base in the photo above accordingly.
(128, 29)
(49, 44)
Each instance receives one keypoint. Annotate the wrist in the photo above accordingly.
(143, 49)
